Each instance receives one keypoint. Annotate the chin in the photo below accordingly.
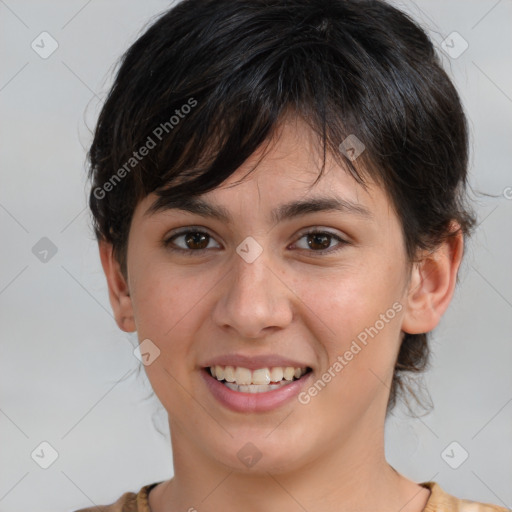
(257, 455)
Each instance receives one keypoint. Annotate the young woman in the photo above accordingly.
(278, 192)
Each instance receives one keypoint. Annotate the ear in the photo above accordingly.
(432, 284)
(118, 290)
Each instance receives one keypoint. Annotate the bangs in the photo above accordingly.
(240, 113)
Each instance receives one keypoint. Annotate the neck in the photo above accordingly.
(351, 476)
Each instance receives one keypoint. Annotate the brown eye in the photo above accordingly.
(196, 240)
(191, 241)
(319, 242)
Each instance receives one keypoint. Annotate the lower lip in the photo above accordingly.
(253, 402)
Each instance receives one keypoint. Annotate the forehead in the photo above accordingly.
(280, 178)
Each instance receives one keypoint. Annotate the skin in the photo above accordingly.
(325, 455)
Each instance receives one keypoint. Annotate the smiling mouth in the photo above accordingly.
(262, 380)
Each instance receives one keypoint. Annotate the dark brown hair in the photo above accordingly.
(209, 81)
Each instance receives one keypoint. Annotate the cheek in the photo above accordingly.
(356, 317)
(167, 308)
(348, 301)
(166, 297)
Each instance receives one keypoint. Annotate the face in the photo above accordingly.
(320, 289)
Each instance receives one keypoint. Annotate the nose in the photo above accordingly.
(254, 299)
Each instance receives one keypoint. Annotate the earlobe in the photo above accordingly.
(118, 291)
(432, 285)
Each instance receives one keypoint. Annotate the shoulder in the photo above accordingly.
(128, 502)
(441, 501)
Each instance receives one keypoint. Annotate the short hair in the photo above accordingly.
(209, 82)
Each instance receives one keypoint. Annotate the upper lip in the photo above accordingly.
(254, 362)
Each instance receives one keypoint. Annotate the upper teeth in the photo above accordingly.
(244, 376)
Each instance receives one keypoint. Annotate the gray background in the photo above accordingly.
(68, 375)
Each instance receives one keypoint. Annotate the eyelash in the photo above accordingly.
(190, 252)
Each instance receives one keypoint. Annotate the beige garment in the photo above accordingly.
(439, 501)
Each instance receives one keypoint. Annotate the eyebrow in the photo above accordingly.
(287, 211)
